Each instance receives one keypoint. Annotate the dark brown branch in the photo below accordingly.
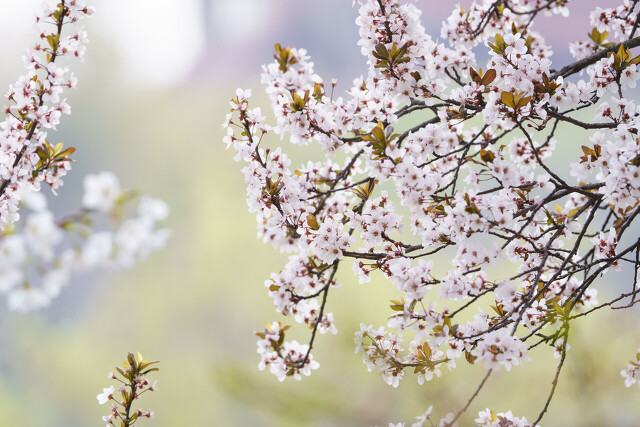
(583, 125)
(303, 361)
(386, 22)
(589, 60)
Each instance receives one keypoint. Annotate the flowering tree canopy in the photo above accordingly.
(471, 182)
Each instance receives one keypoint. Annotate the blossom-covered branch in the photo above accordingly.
(132, 376)
(27, 159)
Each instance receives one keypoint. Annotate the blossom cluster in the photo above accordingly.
(36, 104)
(41, 253)
(492, 249)
(488, 418)
(631, 372)
(284, 358)
(132, 376)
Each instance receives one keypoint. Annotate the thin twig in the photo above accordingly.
(555, 378)
(462, 411)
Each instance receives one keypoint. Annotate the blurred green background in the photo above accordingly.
(152, 94)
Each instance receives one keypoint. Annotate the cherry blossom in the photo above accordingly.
(106, 395)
